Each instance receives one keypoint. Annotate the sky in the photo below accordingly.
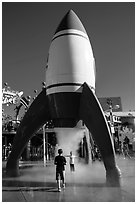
(27, 30)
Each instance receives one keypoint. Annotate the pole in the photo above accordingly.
(44, 149)
(5, 154)
(47, 156)
(111, 115)
(111, 122)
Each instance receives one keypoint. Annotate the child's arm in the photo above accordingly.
(55, 161)
(66, 155)
(65, 162)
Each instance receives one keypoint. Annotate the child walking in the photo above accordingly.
(60, 162)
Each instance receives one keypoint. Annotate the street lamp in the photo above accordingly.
(45, 144)
(43, 85)
(44, 148)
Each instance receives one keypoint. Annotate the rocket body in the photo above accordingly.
(70, 63)
(69, 96)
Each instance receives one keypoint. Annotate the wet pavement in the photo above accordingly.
(87, 184)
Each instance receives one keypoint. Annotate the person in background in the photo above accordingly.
(126, 140)
(60, 162)
(71, 161)
(125, 150)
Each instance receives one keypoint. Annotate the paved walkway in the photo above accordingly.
(87, 184)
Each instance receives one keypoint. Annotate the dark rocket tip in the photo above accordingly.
(70, 21)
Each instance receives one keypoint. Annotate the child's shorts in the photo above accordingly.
(72, 168)
(60, 175)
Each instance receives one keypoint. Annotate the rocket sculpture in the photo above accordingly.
(69, 95)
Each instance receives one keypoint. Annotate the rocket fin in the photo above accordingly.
(92, 114)
(35, 117)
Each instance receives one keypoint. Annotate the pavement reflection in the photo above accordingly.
(87, 184)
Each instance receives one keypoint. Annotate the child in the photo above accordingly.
(60, 163)
(71, 162)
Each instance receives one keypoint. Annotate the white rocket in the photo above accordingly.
(70, 64)
(70, 60)
(69, 95)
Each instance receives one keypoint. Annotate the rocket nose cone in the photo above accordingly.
(70, 21)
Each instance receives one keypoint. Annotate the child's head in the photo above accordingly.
(60, 151)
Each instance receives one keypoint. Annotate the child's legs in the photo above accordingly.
(58, 179)
(72, 167)
(63, 177)
(59, 183)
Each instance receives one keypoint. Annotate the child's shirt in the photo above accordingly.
(60, 163)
